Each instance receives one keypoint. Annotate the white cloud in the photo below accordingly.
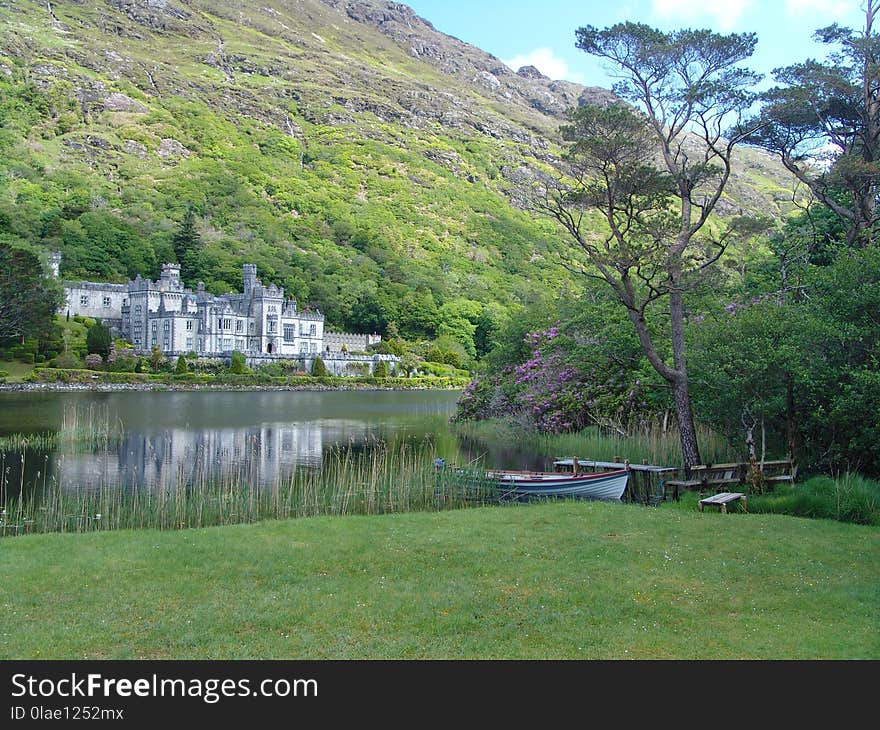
(725, 15)
(547, 62)
(825, 7)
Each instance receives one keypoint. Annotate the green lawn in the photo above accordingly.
(567, 580)
(17, 370)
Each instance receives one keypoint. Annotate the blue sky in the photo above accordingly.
(542, 33)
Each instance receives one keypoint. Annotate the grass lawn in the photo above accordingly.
(17, 370)
(567, 580)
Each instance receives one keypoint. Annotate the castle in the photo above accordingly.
(260, 322)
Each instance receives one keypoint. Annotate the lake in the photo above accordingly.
(255, 437)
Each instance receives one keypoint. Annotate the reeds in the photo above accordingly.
(382, 479)
(650, 444)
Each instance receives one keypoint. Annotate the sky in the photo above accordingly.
(542, 33)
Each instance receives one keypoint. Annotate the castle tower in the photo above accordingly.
(169, 279)
(250, 278)
(55, 264)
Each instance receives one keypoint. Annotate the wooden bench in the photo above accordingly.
(723, 499)
(708, 476)
(779, 471)
(714, 476)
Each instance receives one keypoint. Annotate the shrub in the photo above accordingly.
(380, 369)
(67, 360)
(98, 339)
(94, 361)
(319, 369)
(238, 365)
(158, 361)
(181, 368)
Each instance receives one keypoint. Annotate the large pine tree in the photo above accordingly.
(188, 248)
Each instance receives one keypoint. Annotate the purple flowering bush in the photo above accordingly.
(561, 386)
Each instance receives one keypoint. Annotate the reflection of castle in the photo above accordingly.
(262, 455)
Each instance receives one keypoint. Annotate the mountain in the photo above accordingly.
(362, 159)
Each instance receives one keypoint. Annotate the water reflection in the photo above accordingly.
(166, 439)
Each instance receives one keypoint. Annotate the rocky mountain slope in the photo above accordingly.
(361, 158)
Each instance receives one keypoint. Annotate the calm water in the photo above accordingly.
(174, 437)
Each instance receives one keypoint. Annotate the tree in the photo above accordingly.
(655, 175)
(157, 359)
(238, 364)
(806, 367)
(823, 121)
(319, 369)
(181, 368)
(381, 369)
(188, 248)
(99, 339)
(28, 297)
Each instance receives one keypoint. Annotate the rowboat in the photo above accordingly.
(526, 485)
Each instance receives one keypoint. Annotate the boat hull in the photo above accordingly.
(519, 485)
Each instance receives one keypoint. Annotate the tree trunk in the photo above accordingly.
(690, 450)
(790, 419)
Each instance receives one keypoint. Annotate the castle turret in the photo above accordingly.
(250, 278)
(55, 264)
(170, 276)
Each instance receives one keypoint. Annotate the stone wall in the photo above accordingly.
(341, 364)
(334, 341)
(95, 300)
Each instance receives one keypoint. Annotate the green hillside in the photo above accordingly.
(363, 160)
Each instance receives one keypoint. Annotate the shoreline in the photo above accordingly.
(113, 387)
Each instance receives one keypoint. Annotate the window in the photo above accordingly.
(106, 302)
(201, 344)
(227, 343)
(189, 325)
(314, 346)
(83, 300)
(227, 324)
(137, 310)
(239, 325)
(251, 327)
(303, 346)
(289, 332)
(189, 343)
(166, 325)
(312, 330)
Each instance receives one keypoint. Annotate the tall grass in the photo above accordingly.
(398, 478)
(850, 498)
(651, 444)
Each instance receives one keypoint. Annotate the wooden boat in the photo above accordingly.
(529, 484)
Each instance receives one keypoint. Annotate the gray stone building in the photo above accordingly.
(259, 322)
